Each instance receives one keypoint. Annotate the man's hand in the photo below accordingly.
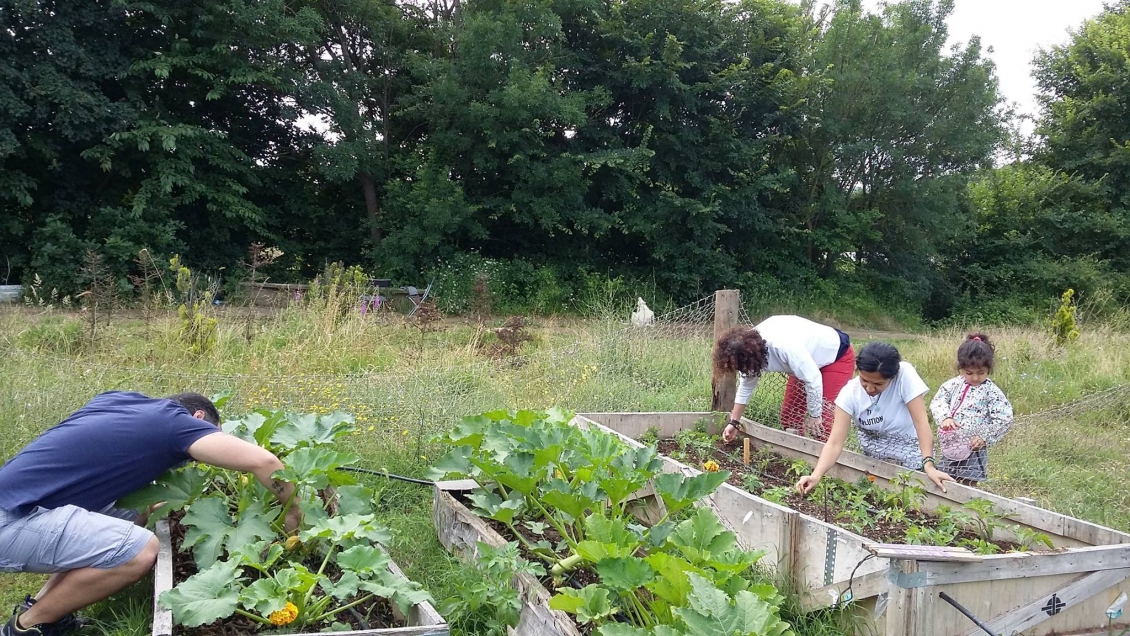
(143, 518)
(813, 427)
(937, 476)
(805, 484)
(293, 518)
(976, 443)
(730, 433)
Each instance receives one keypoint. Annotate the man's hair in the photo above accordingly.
(195, 402)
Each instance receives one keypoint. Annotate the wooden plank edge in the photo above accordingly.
(1077, 590)
(863, 587)
(1019, 565)
(162, 579)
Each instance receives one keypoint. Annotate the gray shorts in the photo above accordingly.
(49, 540)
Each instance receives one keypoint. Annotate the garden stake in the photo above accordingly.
(745, 451)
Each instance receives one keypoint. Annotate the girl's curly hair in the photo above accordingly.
(742, 350)
(977, 352)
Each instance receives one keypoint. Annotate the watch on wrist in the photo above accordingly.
(738, 425)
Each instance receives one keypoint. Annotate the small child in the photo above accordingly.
(972, 413)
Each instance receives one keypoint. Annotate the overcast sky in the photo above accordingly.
(1016, 29)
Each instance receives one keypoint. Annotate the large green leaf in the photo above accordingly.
(575, 502)
(625, 573)
(314, 466)
(355, 500)
(204, 597)
(363, 559)
(679, 491)
(310, 430)
(176, 488)
(264, 596)
(456, 464)
(343, 588)
(589, 604)
(346, 527)
(260, 555)
(671, 583)
(702, 538)
(208, 525)
(254, 526)
(712, 613)
(490, 505)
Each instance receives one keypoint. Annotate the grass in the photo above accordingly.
(405, 386)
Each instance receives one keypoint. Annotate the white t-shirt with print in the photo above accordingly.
(883, 422)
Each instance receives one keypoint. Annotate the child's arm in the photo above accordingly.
(940, 404)
(999, 417)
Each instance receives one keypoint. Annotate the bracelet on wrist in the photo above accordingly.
(737, 424)
(927, 460)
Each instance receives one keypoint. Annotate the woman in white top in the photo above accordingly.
(819, 360)
(886, 406)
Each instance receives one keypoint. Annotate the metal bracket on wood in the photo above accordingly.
(830, 557)
(906, 580)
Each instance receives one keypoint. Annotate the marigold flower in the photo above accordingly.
(871, 478)
(711, 466)
(285, 616)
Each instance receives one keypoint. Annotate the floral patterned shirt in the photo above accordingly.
(984, 412)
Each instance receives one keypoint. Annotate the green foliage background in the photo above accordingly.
(566, 147)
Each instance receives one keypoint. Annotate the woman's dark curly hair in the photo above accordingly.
(743, 350)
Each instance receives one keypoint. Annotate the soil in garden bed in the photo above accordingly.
(374, 614)
(771, 472)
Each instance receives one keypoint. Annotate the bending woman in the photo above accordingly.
(818, 359)
(886, 406)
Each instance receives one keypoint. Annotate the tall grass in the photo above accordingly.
(405, 386)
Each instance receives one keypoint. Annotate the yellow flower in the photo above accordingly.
(370, 428)
(285, 616)
(292, 542)
(711, 466)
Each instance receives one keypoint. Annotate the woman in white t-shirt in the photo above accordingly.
(885, 404)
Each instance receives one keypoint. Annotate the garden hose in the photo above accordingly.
(381, 473)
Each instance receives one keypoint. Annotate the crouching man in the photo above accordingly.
(57, 496)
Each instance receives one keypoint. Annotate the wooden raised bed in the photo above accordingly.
(422, 620)
(1066, 591)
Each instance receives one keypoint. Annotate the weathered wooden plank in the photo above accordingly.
(1040, 610)
(162, 579)
(901, 606)
(457, 485)
(1026, 565)
(460, 531)
(920, 552)
(862, 587)
(634, 425)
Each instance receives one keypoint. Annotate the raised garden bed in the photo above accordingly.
(233, 560)
(617, 543)
(904, 587)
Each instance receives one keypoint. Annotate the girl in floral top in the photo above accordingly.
(972, 413)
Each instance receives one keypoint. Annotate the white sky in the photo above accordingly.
(1016, 30)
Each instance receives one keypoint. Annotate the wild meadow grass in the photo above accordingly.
(405, 385)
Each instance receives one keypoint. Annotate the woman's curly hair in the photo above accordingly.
(743, 350)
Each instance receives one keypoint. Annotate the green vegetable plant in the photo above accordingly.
(247, 565)
(984, 519)
(535, 469)
(487, 605)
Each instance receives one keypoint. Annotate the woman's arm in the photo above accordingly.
(841, 424)
(917, 408)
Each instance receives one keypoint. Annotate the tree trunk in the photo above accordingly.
(369, 187)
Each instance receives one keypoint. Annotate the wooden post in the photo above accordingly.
(724, 385)
(745, 451)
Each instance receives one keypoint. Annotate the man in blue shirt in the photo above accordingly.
(57, 497)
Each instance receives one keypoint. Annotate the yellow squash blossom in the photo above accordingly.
(292, 542)
(285, 616)
(711, 466)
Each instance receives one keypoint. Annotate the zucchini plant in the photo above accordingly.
(682, 575)
(247, 565)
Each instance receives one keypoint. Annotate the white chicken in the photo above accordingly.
(642, 316)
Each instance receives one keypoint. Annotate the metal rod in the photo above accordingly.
(976, 621)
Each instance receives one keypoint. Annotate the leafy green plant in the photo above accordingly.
(650, 437)
(918, 535)
(488, 605)
(984, 519)
(776, 495)
(908, 493)
(692, 440)
(247, 565)
(798, 468)
(535, 468)
(1030, 539)
(1063, 327)
(980, 546)
(197, 328)
(752, 483)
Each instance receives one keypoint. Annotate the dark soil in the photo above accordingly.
(374, 614)
(773, 471)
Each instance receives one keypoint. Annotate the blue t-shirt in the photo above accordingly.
(115, 444)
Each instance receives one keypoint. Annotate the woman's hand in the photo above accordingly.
(938, 477)
(730, 433)
(804, 485)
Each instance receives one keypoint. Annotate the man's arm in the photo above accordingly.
(232, 453)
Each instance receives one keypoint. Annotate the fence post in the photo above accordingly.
(724, 386)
